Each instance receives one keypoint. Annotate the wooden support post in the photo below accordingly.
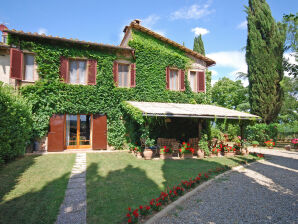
(200, 129)
(241, 133)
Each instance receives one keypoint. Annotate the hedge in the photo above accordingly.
(15, 123)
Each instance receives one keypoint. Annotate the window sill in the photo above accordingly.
(28, 81)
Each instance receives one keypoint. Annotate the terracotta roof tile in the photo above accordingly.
(69, 40)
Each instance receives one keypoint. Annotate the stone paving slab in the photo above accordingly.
(74, 206)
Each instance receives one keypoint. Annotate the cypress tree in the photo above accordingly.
(264, 57)
(198, 45)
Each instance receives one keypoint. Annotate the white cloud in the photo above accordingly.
(213, 81)
(235, 60)
(230, 59)
(214, 73)
(193, 12)
(199, 30)
(150, 21)
(242, 25)
(42, 31)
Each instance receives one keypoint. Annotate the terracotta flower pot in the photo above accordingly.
(186, 156)
(166, 156)
(229, 154)
(200, 153)
(270, 147)
(254, 145)
(213, 155)
(148, 153)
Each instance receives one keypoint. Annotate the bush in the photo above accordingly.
(261, 132)
(15, 123)
(203, 145)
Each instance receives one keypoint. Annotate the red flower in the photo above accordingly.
(141, 207)
(129, 221)
(129, 209)
(128, 215)
(148, 207)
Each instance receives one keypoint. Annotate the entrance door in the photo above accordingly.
(78, 131)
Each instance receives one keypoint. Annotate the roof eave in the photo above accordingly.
(21, 33)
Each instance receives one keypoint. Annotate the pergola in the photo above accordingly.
(200, 111)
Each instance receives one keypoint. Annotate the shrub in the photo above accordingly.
(203, 145)
(261, 132)
(15, 123)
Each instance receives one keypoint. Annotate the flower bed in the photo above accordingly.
(186, 151)
(170, 195)
(166, 153)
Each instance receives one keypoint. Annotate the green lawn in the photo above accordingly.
(116, 181)
(32, 188)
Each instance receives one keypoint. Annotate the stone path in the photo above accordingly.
(74, 206)
(265, 192)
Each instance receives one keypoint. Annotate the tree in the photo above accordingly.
(264, 57)
(229, 94)
(198, 45)
(288, 112)
(291, 23)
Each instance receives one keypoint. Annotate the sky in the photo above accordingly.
(221, 22)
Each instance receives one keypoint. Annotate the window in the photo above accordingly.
(193, 81)
(77, 72)
(29, 70)
(123, 75)
(4, 38)
(174, 79)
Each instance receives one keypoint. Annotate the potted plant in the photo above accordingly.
(186, 151)
(148, 153)
(203, 147)
(294, 141)
(215, 152)
(244, 147)
(166, 153)
(137, 151)
(255, 144)
(270, 144)
(229, 150)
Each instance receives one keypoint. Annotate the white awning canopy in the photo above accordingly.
(189, 110)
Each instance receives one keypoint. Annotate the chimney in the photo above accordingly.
(4, 34)
(137, 21)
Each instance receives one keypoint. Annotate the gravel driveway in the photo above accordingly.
(265, 192)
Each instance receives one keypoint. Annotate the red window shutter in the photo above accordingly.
(133, 75)
(92, 71)
(182, 84)
(16, 64)
(64, 67)
(167, 78)
(201, 81)
(99, 132)
(56, 134)
(115, 72)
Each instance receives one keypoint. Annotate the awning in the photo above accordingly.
(189, 110)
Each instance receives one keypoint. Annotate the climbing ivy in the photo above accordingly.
(50, 95)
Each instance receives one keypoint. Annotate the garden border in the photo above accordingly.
(174, 204)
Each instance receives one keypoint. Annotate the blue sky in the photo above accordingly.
(221, 21)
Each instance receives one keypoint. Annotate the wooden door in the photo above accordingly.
(99, 132)
(56, 134)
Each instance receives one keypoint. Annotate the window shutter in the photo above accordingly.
(133, 75)
(167, 78)
(56, 134)
(64, 69)
(182, 84)
(16, 64)
(115, 72)
(92, 71)
(201, 81)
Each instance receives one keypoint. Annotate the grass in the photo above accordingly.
(116, 181)
(32, 188)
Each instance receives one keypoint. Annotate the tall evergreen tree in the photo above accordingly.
(264, 57)
(198, 45)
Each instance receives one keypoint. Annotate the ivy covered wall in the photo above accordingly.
(51, 96)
